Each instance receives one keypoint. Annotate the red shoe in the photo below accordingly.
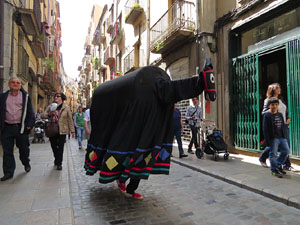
(122, 187)
(134, 195)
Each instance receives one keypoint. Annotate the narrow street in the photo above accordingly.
(183, 197)
(47, 196)
(222, 76)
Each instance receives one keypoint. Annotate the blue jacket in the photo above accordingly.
(268, 128)
(27, 119)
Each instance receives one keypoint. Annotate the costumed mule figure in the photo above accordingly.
(132, 123)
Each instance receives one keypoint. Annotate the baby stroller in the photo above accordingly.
(213, 144)
(39, 132)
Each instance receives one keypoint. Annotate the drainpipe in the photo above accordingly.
(148, 32)
(197, 38)
(198, 55)
(200, 52)
(11, 69)
(1, 45)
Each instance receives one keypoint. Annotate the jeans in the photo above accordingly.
(177, 134)
(80, 131)
(265, 154)
(194, 137)
(10, 135)
(281, 143)
(57, 144)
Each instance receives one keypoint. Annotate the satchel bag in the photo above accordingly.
(186, 120)
(52, 129)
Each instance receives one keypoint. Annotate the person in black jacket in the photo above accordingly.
(275, 137)
(16, 121)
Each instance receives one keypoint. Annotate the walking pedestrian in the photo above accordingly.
(79, 124)
(132, 122)
(87, 124)
(73, 116)
(193, 116)
(275, 137)
(16, 121)
(39, 113)
(274, 90)
(178, 128)
(63, 116)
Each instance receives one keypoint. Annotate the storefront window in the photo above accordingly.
(271, 28)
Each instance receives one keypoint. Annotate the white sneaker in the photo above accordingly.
(263, 164)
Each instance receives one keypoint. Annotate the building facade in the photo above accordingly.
(252, 43)
(29, 28)
(258, 44)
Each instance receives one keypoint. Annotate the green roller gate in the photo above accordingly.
(245, 102)
(293, 81)
(244, 98)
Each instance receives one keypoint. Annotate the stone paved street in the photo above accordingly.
(46, 196)
(40, 197)
(185, 197)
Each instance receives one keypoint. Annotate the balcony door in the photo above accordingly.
(172, 12)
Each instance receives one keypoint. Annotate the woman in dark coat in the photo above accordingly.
(132, 124)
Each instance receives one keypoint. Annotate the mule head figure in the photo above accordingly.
(209, 81)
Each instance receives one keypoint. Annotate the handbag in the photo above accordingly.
(52, 129)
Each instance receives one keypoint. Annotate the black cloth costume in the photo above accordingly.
(132, 124)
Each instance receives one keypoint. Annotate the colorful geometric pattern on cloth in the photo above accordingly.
(126, 161)
(91, 155)
(139, 159)
(111, 163)
(137, 165)
(164, 154)
(147, 159)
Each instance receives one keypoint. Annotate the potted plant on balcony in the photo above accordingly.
(40, 37)
(136, 6)
(49, 62)
(96, 63)
(159, 46)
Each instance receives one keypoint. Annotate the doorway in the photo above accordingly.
(272, 69)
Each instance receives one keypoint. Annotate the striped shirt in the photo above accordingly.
(193, 111)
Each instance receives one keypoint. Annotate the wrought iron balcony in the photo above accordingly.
(49, 81)
(99, 37)
(40, 45)
(133, 9)
(30, 19)
(116, 35)
(108, 58)
(109, 23)
(130, 63)
(101, 65)
(88, 50)
(176, 25)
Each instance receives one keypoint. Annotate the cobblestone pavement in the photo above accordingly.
(184, 197)
(40, 197)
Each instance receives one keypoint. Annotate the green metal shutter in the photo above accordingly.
(293, 80)
(245, 102)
